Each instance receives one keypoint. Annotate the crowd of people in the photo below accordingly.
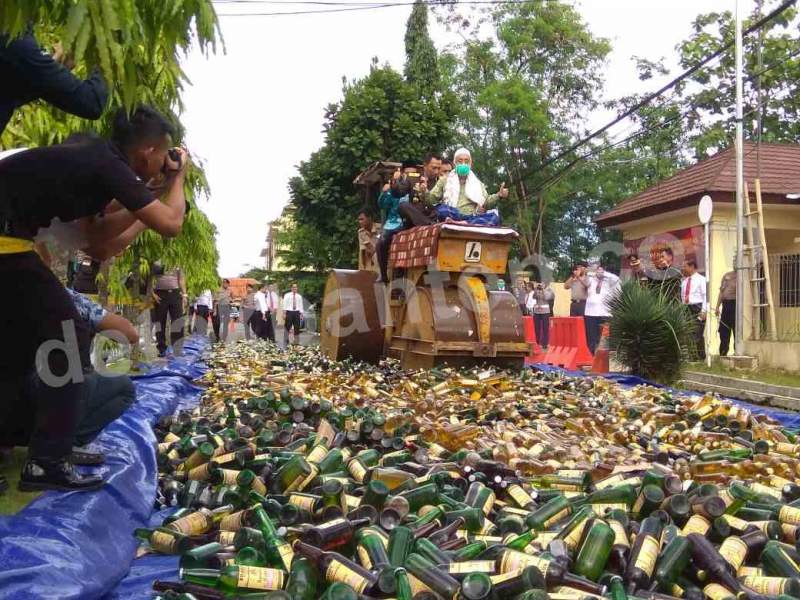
(102, 193)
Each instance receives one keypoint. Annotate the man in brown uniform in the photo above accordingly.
(727, 318)
(578, 285)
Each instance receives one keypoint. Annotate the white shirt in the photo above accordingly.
(540, 306)
(596, 300)
(205, 299)
(697, 290)
(293, 301)
(260, 302)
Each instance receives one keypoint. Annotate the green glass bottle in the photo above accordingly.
(337, 568)
(777, 561)
(427, 494)
(430, 551)
(551, 513)
(677, 507)
(164, 540)
(339, 591)
(278, 550)
(234, 578)
(303, 580)
(672, 561)
(643, 555)
(649, 499)
(572, 531)
(475, 586)
(401, 544)
(481, 497)
(595, 550)
(402, 585)
(435, 578)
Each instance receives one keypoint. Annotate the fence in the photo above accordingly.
(785, 275)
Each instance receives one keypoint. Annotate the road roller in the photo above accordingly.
(438, 306)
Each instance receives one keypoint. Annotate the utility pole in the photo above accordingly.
(741, 270)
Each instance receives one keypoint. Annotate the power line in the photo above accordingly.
(349, 6)
(686, 74)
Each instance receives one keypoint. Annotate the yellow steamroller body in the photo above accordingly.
(436, 309)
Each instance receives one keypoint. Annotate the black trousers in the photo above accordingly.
(593, 326)
(699, 331)
(577, 308)
(32, 311)
(268, 329)
(292, 322)
(382, 249)
(201, 320)
(541, 325)
(414, 215)
(170, 304)
(106, 398)
(727, 324)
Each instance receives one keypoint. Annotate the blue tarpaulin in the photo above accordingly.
(79, 545)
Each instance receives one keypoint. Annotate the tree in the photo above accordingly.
(524, 91)
(709, 103)
(381, 117)
(422, 67)
(137, 46)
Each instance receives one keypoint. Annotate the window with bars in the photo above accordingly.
(789, 280)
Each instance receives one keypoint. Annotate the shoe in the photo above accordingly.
(39, 475)
(83, 457)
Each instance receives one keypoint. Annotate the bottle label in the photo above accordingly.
(620, 535)
(766, 490)
(417, 586)
(787, 448)
(789, 514)
(609, 481)
(696, 524)
(357, 470)
(487, 505)
(734, 550)
(225, 458)
(519, 495)
(306, 502)
(511, 510)
(287, 555)
(496, 579)
(259, 578)
(311, 477)
(606, 506)
(745, 571)
(338, 571)
(232, 522)
(736, 522)
(637, 506)
(229, 476)
(562, 514)
(790, 532)
(472, 566)
(487, 527)
(258, 486)
(726, 497)
(648, 553)
(514, 561)
(715, 591)
(563, 592)
(163, 542)
(769, 586)
(226, 537)
(363, 557)
(677, 590)
(572, 539)
(329, 524)
(317, 453)
(201, 473)
(193, 524)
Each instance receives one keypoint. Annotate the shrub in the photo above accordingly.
(650, 332)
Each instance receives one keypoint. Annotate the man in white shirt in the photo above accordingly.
(602, 285)
(204, 304)
(273, 304)
(270, 305)
(293, 314)
(257, 321)
(693, 295)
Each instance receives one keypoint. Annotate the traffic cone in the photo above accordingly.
(600, 362)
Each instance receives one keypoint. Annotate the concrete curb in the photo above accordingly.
(744, 389)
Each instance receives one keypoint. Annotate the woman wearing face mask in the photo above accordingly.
(461, 196)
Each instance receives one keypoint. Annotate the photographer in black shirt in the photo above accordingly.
(104, 181)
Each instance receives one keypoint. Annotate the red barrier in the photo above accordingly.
(568, 347)
(536, 354)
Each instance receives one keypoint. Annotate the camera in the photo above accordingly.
(175, 156)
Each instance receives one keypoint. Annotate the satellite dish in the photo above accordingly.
(705, 209)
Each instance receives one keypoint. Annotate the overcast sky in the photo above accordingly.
(254, 112)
